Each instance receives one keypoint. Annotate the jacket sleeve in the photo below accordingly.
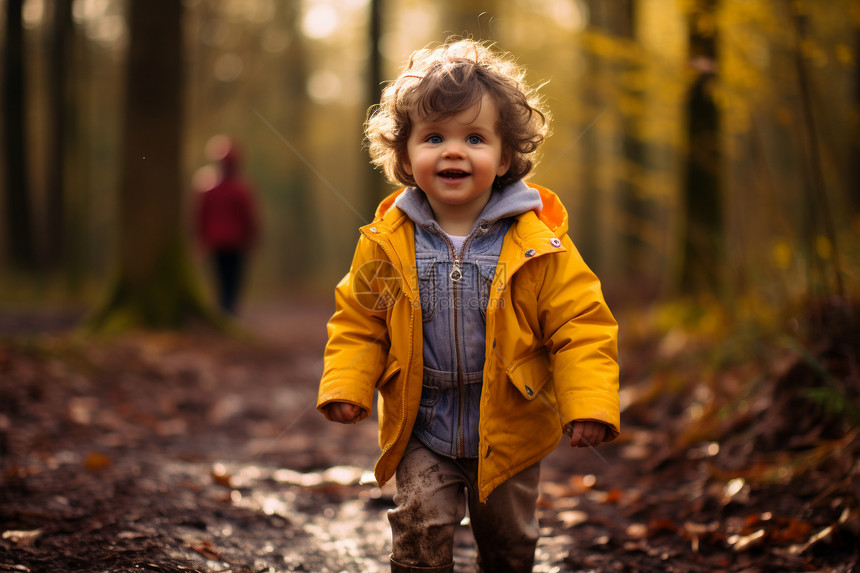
(358, 343)
(582, 338)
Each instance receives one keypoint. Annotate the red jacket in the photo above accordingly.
(226, 214)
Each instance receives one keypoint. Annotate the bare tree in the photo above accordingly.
(702, 265)
(818, 219)
(19, 225)
(154, 286)
(373, 181)
(59, 104)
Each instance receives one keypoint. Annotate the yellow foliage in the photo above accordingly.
(613, 48)
(845, 55)
(631, 106)
(735, 109)
(782, 253)
(813, 52)
(699, 319)
(638, 80)
(823, 247)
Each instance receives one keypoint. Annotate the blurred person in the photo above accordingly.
(471, 312)
(226, 219)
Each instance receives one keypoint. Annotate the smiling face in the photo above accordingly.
(455, 159)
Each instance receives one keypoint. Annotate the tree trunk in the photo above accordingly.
(154, 287)
(590, 222)
(19, 225)
(632, 203)
(702, 264)
(59, 102)
(855, 182)
(373, 182)
(818, 220)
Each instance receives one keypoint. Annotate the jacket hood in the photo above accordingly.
(510, 201)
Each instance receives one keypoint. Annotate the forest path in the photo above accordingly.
(191, 452)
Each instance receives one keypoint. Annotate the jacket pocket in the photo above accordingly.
(391, 371)
(530, 373)
(429, 398)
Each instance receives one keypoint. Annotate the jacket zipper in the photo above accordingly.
(456, 275)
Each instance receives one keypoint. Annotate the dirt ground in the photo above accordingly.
(193, 452)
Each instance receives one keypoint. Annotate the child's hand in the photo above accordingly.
(344, 412)
(587, 433)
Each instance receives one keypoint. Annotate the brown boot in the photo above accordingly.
(401, 568)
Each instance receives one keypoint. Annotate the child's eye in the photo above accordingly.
(474, 139)
(434, 139)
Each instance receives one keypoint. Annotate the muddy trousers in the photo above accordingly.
(431, 503)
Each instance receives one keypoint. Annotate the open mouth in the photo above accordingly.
(453, 174)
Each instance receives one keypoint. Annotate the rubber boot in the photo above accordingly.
(401, 568)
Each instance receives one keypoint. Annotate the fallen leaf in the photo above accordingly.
(820, 535)
(744, 542)
(636, 452)
(207, 550)
(658, 526)
(7, 567)
(696, 531)
(792, 531)
(582, 483)
(97, 461)
(21, 538)
(220, 476)
(82, 410)
(637, 530)
(572, 518)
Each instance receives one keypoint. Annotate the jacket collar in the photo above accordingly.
(510, 201)
(550, 211)
(533, 234)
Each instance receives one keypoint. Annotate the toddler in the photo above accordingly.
(470, 311)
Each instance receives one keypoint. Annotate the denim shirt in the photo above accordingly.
(454, 288)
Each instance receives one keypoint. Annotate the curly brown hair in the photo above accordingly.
(443, 81)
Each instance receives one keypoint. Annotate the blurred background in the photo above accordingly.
(707, 150)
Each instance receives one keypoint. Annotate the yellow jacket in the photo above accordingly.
(551, 354)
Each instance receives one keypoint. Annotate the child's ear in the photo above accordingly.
(407, 166)
(504, 163)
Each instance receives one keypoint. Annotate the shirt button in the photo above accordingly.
(530, 253)
(374, 230)
(555, 242)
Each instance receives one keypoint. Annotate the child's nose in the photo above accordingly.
(453, 151)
